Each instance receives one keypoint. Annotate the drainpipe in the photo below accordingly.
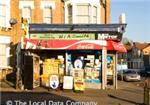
(105, 7)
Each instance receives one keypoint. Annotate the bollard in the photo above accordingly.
(146, 96)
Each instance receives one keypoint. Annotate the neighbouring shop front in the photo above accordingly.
(4, 56)
(71, 56)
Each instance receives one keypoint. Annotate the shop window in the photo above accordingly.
(2, 14)
(3, 59)
(83, 14)
(26, 13)
(47, 15)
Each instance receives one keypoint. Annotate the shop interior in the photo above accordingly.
(39, 65)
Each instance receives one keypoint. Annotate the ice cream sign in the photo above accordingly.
(54, 81)
(78, 64)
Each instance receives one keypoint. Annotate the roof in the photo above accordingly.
(128, 47)
(141, 46)
(137, 45)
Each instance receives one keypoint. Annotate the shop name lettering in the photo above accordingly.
(87, 46)
(107, 36)
(74, 36)
(61, 36)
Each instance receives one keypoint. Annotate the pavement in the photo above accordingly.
(127, 94)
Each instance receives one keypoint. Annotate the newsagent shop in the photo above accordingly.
(76, 56)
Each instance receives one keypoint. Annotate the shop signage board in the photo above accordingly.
(63, 36)
(68, 82)
(63, 44)
(107, 36)
(54, 81)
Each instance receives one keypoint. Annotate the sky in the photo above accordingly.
(137, 18)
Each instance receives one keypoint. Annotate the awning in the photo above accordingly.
(63, 44)
(118, 46)
(72, 45)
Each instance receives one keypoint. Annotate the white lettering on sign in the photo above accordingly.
(87, 46)
(107, 36)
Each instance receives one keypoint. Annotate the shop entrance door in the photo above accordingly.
(31, 72)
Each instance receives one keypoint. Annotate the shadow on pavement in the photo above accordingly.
(133, 91)
(33, 98)
(129, 101)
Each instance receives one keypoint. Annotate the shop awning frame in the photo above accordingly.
(97, 28)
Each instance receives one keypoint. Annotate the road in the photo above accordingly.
(128, 93)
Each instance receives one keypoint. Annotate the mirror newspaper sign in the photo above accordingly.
(107, 36)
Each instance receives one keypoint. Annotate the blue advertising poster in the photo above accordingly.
(108, 59)
(69, 57)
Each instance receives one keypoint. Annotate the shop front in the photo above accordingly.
(72, 56)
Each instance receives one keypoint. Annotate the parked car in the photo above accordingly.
(129, 75)
(145, 72)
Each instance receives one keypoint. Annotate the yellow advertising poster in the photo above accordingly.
(79, 84)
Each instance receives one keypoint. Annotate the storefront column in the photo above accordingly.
(104, 67)
(115, 71)
(66, 63)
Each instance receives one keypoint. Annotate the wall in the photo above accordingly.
(105, 18)
(146, 53)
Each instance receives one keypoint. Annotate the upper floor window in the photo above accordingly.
(26, 13)
(83, 14)
(2, 14)
(4, 53)
(26, 6)
(3, 61)
(47, 15)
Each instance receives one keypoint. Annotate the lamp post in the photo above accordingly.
(13, 22)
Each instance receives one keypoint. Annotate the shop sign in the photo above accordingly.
(54, 81)
(108, 37)
(63, 36)
(68, 82)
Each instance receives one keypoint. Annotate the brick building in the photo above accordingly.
(67, 14)
(45, 11)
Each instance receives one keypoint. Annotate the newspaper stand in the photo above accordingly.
(79, 85)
